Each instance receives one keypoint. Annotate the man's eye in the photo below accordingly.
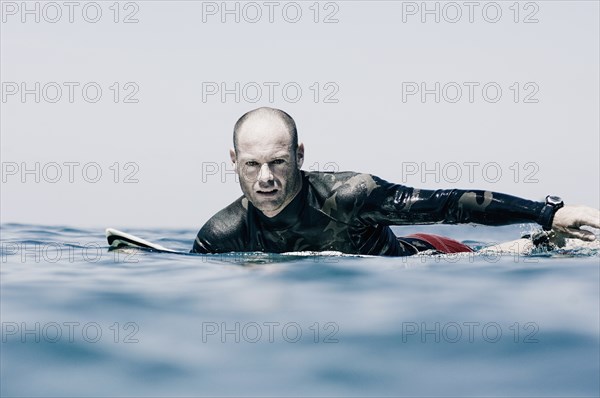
(251, 163)
(278, 161)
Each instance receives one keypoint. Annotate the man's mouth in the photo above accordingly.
(267, 192)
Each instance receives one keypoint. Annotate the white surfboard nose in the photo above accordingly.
(111, 231)
(118, 238)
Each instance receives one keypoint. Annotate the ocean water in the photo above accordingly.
(80, 320)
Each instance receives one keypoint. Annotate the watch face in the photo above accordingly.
(554, 200)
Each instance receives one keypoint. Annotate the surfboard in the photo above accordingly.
(122, 241)
(119, 239)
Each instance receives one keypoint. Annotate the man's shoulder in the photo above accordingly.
(228, 221)
(345, 184)
(224, 231)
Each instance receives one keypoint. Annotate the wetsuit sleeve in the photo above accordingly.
(394, 204)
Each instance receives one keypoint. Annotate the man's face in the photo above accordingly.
(267, 164)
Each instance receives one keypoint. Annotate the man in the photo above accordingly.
(286, 209)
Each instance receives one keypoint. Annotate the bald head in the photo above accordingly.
(263, 119)
(267, 159)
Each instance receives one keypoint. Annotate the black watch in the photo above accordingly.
(553, 203)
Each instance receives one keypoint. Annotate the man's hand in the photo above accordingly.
(568, 220)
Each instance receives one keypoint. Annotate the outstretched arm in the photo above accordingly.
(396, 204)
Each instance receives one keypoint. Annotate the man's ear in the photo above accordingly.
(233, 158)
(300, 155)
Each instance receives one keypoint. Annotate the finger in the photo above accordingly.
(580, 234)
(592, 218)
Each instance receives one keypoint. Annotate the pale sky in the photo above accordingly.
(150, 105)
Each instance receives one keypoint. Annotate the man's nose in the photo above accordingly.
(265, 174)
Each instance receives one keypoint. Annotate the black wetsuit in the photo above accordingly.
(351, 213)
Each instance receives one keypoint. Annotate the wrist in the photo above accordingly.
(546, 218)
